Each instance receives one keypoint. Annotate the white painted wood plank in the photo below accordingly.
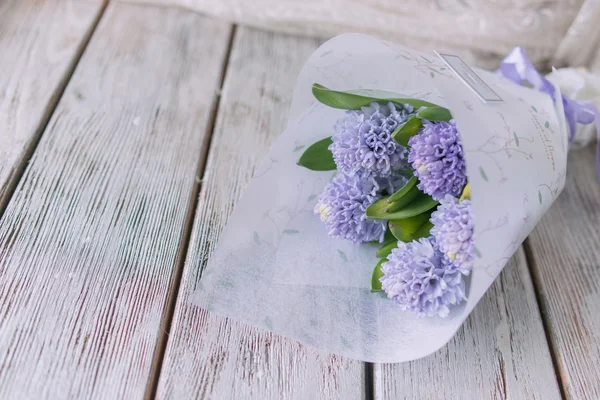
(565, 256)
(39, 43)
(90, 240)
(500, 352)
(209, 356)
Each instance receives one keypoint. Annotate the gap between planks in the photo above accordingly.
(167, 318)
(369, 381)
(530, 261)
(19, 169)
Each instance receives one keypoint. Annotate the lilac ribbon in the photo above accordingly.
(517, 68)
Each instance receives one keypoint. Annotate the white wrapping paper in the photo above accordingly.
(276, 268)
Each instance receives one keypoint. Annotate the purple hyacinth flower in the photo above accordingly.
(342, 207)
(453, 224)
(363, 142)
(420, 279)
(436, 155)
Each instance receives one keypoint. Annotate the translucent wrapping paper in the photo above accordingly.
(276, 268)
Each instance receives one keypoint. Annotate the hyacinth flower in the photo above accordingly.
(436, 156)
(452, 229)
(342, 207)
(418, 278)
(363, 143)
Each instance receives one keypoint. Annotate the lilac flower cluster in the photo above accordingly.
(363, 142)
(419, 279)
(436, 155)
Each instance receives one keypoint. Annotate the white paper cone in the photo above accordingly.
(276, 268)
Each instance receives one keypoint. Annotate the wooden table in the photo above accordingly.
(127, 133)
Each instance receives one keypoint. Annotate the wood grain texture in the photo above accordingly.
(89, 242)
(566, 265)
(40, 42)
(209, 356)
(500, 352)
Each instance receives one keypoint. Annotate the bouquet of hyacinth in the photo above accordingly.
(401, 183)
(407, 203)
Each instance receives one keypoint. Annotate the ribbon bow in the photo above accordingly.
(517, 68)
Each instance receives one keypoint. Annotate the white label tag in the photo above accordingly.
(469, 77)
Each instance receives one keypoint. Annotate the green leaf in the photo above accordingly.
(483, 175)
(547, 124)
(387, 248)
(477, 252)
(377, 273)
(419, 205)
(406, 229)
(342, 255)
(403, 190)
(423, 231)
(533, 108)
(318, 157)
(436, 114)
(384, 207)
(377, 209)
(432, 74)
(388, 237)
(352, 101)
(407, 130)
(516, 138)
(404, 201)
